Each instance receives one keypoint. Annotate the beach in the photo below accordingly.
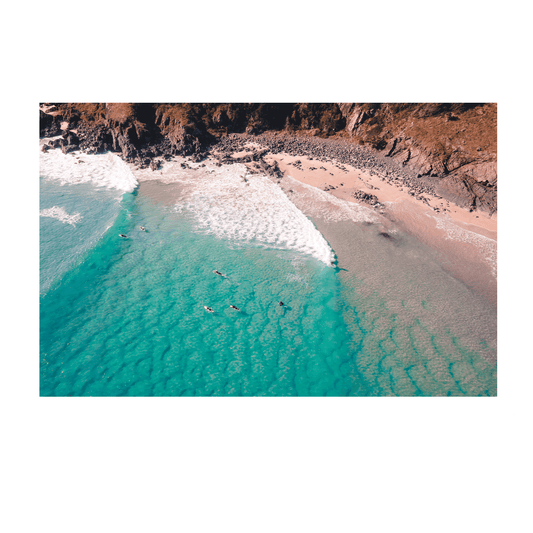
(383, 292)
(465, 240)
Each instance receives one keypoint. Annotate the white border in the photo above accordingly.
(30, 403)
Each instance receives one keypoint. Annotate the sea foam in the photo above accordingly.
(234, 205)
(323, 205)
(60, 214)
(101, 170)
(487, 246)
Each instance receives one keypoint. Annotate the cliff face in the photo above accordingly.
(452, 144)
(455, 143)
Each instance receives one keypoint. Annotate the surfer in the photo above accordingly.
(208, 309)
(281, 304)
(217, 272)
(236, 308)
(143, 228)
(122, 235)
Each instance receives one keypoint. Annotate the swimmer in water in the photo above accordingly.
(208, 309)
(281, 304)
(122, 235)
(236, 308)
(217, 272)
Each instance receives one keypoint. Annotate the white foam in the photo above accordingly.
(102, 170)
(252, 211)
(320, 204)
(60, 214)
(487, 246)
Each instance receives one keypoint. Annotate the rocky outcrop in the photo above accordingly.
(454, 143)
(365, 197)
(448, 147)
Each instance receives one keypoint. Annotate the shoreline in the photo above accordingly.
(408, 327)
(392, 278)
(466, 241)
(343, 181)
(465, 238)
(447, 148)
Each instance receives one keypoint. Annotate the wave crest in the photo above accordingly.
(101, 170)
(60, 214)
(234, 205)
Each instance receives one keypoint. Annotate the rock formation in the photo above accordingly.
(455, 143)
(448, 148)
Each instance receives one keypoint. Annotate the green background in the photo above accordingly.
(261, 474)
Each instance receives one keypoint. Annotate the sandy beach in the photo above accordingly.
(384, 294)
(465, 240)
(348, 277)
(343, 180)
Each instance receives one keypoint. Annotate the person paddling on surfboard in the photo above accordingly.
(208, 309)
(122, 235)
(217, 272)
(143, 228)
(236, 308)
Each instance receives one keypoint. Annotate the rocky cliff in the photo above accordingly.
(450, 146)
(455, 143)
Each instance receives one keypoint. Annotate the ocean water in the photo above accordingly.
(123, 317)
(79, 200)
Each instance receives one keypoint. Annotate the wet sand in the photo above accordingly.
(406, 270)
(398, 285)
(464, 241)
(347, 179)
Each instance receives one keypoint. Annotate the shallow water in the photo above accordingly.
(127, 317)
(72, 221)
(130, 320)
(418, 329)
(79, 200)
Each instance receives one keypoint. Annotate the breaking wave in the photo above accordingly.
(84, 193)
(101, 170)
(234, 205)
(60, 214)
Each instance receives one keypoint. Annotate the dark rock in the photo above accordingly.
(399, 130)
(155, 165)
(370, 199)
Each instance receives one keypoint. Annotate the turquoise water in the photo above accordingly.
(62, 244)
(126, 316)
(130, 319)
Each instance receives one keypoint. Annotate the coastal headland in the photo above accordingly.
(446, 148)
(429, 169)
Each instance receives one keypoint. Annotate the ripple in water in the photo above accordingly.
(130, 318)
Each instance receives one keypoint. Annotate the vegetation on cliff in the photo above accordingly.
(455, 143)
